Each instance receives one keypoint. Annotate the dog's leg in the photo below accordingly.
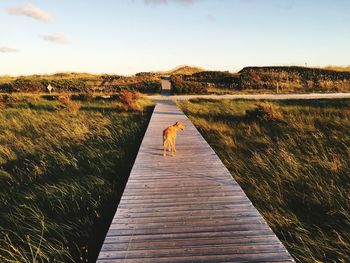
(164, 148)
(169, 145)
(172, 147)
(174, 143)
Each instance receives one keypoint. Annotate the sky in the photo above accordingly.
(129, 36)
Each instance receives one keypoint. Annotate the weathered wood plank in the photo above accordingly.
(198, 242)
(186, 208)
(197, 235)
(257, 258)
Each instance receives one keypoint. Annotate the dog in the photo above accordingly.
(169, 137)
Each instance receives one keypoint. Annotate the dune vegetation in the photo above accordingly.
(63, 165)
(143, 82)
(337, 68)
(182, 70)
(263, 80)
(292, 158)
(190, 80)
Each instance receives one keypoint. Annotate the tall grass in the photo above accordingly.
(61, 174)
(295, 171)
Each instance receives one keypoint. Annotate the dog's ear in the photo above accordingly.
(177, 123)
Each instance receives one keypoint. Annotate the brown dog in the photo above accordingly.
(169, 137)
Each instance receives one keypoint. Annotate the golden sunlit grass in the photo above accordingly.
(63, 165)
(292, 159)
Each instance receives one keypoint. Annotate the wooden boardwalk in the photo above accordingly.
(186, 208)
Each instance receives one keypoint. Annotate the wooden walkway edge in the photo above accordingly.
(186, 208)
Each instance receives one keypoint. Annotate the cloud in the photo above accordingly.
(210, 18)
(286, 4)
(31, 11)
(164, 2)
(8, 50)
(59, 38)
(281, 4)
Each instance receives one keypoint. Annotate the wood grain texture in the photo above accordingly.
(186, 208)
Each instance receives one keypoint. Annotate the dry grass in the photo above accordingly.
(3, 101)
(67, 103)
(61, 174)
(265, 112)
(296, 173)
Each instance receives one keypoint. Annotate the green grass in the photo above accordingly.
(294, 166)
(62, 171)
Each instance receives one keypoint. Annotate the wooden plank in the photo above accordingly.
(257, 258)
(196, 235)
(189, 229)
(236, 221)
(189, 207)
(236, 256)
(189, 242)
(186, 208)
(177, 216)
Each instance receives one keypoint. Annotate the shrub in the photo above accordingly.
(180, 86)
(129, 99)
(68, 85)
(6, 87)
(150, 86)
(294, 79)
(217, 79)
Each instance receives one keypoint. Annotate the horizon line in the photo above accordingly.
(165, 71)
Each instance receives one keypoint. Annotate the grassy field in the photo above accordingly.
(292, 158)
(63, 165)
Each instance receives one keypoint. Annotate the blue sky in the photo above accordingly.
(128, 36)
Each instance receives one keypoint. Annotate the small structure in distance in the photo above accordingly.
(50, 88)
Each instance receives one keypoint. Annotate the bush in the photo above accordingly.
(221, 78)
(294, 79)
(129, 99)
(180, 86)
(24, 84)
(6, 87)
(150, 86)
